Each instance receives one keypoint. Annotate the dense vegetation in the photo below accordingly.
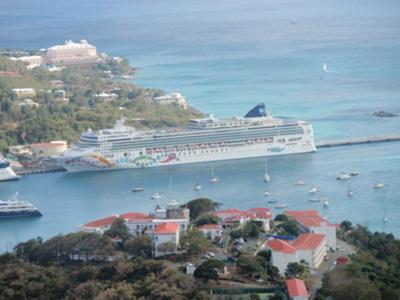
(56, 118)
(91, 266)
(373, 273)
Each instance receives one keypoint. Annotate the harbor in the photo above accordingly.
(70, 199)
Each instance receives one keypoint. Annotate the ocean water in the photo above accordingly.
(226, 56)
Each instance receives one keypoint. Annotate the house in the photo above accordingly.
(173, 98)
(297, 289)
(163, 234)
(211, 231)
(24, 92)
(308, 247)
(311, 221)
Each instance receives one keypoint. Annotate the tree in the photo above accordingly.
(208, 270)
(252, 229)
(357, 289)
(346, 225)
(294, 270)
(206, 218)
(195, 243)
(118, 229)
(265, 254)
(140, 246)
(166, 247)
(277, 296)
(290, 227)
(251, 265)
(281, 217)
(200, 206)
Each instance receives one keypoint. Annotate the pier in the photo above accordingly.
(358, 141)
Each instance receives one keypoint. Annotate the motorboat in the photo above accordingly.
(313, 190)
(300, 182)
(156, 196)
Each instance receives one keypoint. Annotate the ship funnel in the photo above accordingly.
(257, 111)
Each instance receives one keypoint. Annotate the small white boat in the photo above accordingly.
(325, 68)
(272, 201)
(300, 182)
(313, 190)
(137, 189)
(156, 196)
(314, 200)
(280, 206)
(379, 185)
(213, 178)
(343, 176)
(326, 203)
(266, 193)
(349, 192)
(267, 178)
(198, 187)
(354, 173)
(385, 219)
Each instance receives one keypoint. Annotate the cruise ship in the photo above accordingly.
(257, 134)
(17, 208)
(6, 173)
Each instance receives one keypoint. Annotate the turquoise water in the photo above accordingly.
(225, 56)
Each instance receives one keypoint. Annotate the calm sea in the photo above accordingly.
(225, 56)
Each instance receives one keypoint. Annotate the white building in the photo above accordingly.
(72, 53)
(232, 216)
(297, 289)
(32, 60)
(166, 233)
(309, 247)
(311, 221)
(29, 102)
(173, 98)
(211, 231)
(24, 92)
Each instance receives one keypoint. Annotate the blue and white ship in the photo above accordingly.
(17, 208)
(257, 134)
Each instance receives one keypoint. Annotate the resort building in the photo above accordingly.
(24, 92)
(173, 98)
(311, 221)
(309, 247)
(296, 289)
(31, 61)
(72, 54)
(233, 216)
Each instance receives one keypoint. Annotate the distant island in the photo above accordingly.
(80, 89)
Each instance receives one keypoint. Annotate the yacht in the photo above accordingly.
(325, 68)
(213, 178)
(156, 196)
(379, 185)
(280, 206)
(343, 176)
(326, 202)
(18, 208)
(300, 182)
(198, 187)
(138, 189)
(266, 193)
(6, 173)
(272, 201)
(313, 190)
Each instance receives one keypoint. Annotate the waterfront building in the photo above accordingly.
(308, 247)
(52, 148)
(257, 134)
(297, 289)
(212, 231)
(311, 221)
(32, 61)
(173, 98)
(72, 54)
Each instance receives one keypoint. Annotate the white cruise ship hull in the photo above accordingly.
(7, 174)
(91, 161)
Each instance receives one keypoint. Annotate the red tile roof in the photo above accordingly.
(308, 241)
(302, 213)
(259, 209)
(296, 288)
(167, 228)
(210, 226)
(308, 218)
(134, 216)
(280, 246)
(101, 222)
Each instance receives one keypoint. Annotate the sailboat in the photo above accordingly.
(137, 188)
(325, 68)
(379, 185)
(349, 192)
(156, 196)
(213, 178)
(267, 178)
(326, 203)
(266, 193)
(385, 218)
(313, 190)
(198, 186)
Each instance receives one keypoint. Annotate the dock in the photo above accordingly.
(40, 170)
(358, 141)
